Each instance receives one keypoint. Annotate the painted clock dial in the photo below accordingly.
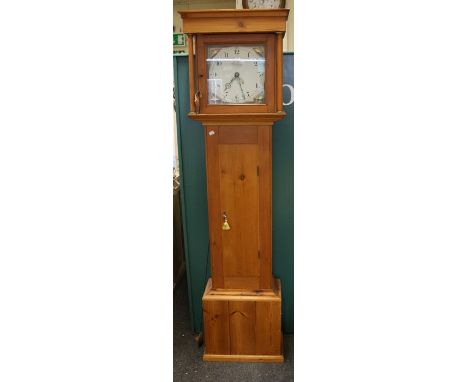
(252, 4)
(236, 74)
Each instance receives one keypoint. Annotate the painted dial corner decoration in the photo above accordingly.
(236, 74)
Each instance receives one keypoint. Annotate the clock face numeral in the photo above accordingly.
(236, 74)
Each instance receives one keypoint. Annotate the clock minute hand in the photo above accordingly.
(242, 90)
(236, 76)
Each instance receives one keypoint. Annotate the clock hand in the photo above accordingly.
(242, 90)
(236, 77)
(228, 85)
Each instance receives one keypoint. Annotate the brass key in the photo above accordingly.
(225, 226)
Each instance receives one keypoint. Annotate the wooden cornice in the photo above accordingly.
(234, 20)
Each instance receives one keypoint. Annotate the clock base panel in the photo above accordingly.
(243, 326)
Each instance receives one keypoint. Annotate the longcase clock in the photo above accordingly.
(235, 82)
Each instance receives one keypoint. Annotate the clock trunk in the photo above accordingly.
(239, 188)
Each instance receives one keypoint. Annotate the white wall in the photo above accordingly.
(288, 43)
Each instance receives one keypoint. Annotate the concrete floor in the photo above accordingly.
(188, 364)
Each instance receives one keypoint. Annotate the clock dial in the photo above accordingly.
(236, 74)
(252, 4)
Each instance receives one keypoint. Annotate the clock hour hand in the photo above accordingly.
(228, 85)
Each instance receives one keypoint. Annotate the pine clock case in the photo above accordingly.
(242, 301)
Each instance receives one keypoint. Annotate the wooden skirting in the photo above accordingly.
(243, 358)
(243, 326)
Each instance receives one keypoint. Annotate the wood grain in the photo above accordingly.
(214, 215)
(239, 198)
(191, 74)
(264, 156)
(237, 134)
(239, 183)
(230, 25)
(242, 282)
(243, 358)
(270, 69)
(244, 294)
(242, 327)
(234, 20)
(240, 119)
(253, 324)
(279, 71)
(268, 327)
(216, 326)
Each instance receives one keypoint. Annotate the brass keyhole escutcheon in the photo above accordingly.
(225, 226)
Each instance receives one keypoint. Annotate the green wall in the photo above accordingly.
(194, 200)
